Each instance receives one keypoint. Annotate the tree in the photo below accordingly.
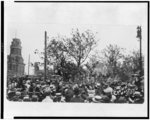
(129, 66)
(55, 51)
(135, 61)
(90, 67)
(79, 45)
(60, 59)
(131, 63)
(57, 57)
(112, 55)
(71, 51)
(68, 69)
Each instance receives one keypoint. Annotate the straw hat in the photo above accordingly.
(118, 87)
(97, 99)
(47, 90)
(18, 93)
(26, 98)
(137, 94)
(98, 84)
(58, 94)
(34, 98)
(52, 86)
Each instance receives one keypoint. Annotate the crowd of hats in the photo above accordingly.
(29, 90)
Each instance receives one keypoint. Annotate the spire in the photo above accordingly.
(16, 34)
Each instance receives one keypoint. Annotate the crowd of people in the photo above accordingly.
(38, 90)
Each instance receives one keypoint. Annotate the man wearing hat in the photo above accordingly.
(108, 89)
(107, 94)
(58, 97)
(98, 90)
(52, 90)
(91, 94)
(10, 94)
(26, 98)
(136, 97)
(34, 98)
(77, 97)
(17, 96)
(48, 95)
(68, 94)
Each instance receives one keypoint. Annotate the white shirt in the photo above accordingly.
(113, 98)
(108, 90)
(47, 99)
(27, 85)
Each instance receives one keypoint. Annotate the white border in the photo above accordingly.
(12, 109)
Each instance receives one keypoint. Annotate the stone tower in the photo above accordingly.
(15, 61)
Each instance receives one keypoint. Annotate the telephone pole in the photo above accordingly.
(45, 57)
(139, 35)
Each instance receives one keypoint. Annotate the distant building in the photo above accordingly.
(37, 71)
(15, 62)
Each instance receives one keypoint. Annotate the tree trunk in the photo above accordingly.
(78, 64)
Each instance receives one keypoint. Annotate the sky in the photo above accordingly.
(114, 23)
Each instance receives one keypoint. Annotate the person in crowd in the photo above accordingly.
(33, 90)
(10, 95)
(27, 85)
(108, 89)
(68, 93)
(84, 93)
(21, 85)
(26, 98)
(59, 87)
(34, 98)
(113, 99)
(17, 96)
(59, 98)
(136, 97)
(53, 90)
(98, 89)
(121, 99)
(47, 93)
(76, 97)
(107, 94)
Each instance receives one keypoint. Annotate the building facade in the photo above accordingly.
(15, 62)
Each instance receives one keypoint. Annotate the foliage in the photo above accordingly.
(55, 52)
(79, 45)
(130, 65)
(112, 55)
(67, 54)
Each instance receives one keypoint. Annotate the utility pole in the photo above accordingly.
(45, 57)
(29, 65)
(139, 35)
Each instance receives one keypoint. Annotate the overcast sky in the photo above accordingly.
(115, 23)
